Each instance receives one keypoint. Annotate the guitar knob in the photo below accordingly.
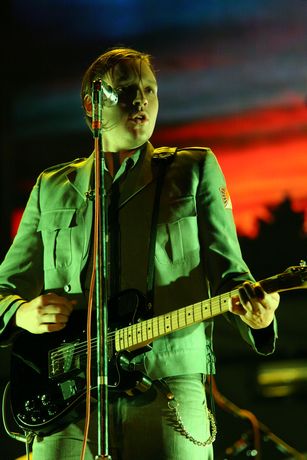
(45, 400)
(52, 410)
(48, 404)
(30, 405)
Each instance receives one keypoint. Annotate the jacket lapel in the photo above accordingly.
(140, 176)
(81, 177)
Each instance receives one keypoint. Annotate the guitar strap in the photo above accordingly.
(162, 157)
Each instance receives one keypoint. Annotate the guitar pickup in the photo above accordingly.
(63, 360)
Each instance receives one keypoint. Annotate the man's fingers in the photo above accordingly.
(250, 291)
(54, 318)
(53, 303)
(54, 299)
(46, 313)
(259, 292)
(255, 307)
(50, 327)
(55, 310)
(236, 306)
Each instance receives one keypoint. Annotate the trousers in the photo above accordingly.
(147, 426)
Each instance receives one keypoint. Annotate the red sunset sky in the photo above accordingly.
(263, 154)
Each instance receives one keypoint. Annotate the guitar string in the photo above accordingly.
(68, 349)
(65, 351)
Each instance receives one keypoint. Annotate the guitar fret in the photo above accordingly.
(167, 323)
(153, 328)
(149, 328)
(181, 319)
(174, 320)
(189, 317)
(131, 335)
(139, 335)
(223, 301)
(197, 312)
(144, 326)
(204, 309)
(161, 329)
(178, 319)
(126, 337)
(118, 339)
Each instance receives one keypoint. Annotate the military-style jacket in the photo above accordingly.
(197, 250)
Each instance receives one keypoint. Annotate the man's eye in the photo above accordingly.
(120, 90)
(125, 91)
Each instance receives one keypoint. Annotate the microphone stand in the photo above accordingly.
(101, 276)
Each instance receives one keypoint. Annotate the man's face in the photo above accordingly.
(131, 122)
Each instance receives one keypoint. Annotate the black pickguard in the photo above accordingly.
(48, 371)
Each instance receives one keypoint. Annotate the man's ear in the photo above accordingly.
(88, 106)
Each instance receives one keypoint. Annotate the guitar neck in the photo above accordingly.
(140, 334)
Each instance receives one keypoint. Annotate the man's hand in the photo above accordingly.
(46, 313)
(255, 307)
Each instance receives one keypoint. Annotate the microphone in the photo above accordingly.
(109, 94)
(101, 93)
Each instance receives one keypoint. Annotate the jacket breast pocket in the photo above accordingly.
(56, 229)
(177, 235)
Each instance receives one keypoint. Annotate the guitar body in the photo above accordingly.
(48, 372)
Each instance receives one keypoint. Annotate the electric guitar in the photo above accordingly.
(48, 371)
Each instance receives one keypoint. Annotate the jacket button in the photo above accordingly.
(67, 288)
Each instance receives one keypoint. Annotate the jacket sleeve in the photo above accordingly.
(21, 272)
(220, 247)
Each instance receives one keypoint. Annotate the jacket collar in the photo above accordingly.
(81, 176)
(141, 175)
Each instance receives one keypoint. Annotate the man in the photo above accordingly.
(45, 275)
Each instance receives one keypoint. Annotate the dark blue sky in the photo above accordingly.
(214, 57)
(88, 19)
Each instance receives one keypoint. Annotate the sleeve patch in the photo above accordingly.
(226, 198)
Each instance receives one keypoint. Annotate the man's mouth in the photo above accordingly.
(139, 118)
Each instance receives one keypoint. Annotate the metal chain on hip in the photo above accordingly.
(173, 406)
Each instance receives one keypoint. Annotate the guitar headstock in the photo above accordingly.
(294, 277)
(300, 269)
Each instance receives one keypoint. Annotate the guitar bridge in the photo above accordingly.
(63, 360)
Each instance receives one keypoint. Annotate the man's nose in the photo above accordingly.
(140, 98)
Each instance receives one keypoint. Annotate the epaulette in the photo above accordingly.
(63, 165)
(203, 149)
(165, 154)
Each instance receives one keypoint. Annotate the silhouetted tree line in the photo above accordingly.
(281, 241)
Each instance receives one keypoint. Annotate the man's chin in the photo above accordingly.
(138, 140)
